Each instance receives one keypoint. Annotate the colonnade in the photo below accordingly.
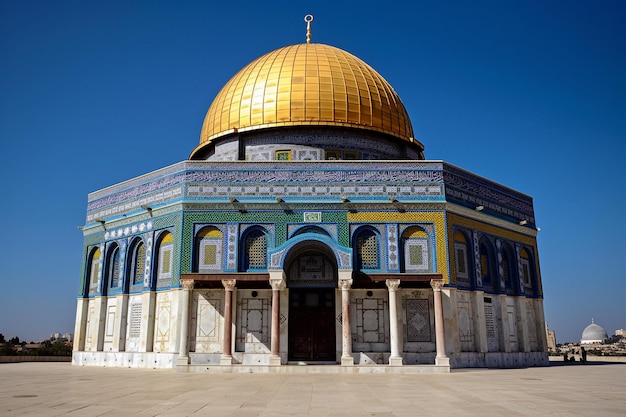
(277, 283)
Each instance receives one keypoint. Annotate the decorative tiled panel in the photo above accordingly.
(134, 204)
(253, 323)
(473, 190)
(417, 320)
(436, 218)
(371, 320)
(206, 322)
(393, 261)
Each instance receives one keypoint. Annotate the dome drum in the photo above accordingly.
(315, 143)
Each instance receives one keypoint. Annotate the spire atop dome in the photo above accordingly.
(308, 19)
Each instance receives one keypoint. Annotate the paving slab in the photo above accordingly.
(61, 389)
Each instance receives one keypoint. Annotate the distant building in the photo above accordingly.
(551, 339)
(593, 334)
(620, 332)
(307, 226)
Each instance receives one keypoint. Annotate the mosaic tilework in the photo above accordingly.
(437, 218)
(279, 219)
(147, 189)
(392, 248)
(476, 190)
(515, 238)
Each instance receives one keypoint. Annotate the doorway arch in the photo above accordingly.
(311, 272)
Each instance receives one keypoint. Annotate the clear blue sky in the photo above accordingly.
(529, 94)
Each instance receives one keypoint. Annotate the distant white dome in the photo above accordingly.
(594, 334)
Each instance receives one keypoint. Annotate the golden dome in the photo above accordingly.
(306, 84)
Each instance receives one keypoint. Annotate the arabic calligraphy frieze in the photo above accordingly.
(272, 173)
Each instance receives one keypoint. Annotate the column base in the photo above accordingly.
(182, 361)
(347, 361)
(442, 361)
(226, 360)
(275, 360)
(395, 361)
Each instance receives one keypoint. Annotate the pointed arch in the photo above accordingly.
(164, 262)
(113, 269)
(416, 250)
(366, 244)
(509, 270)
(528, 276)
(463, 267)
(93, 271)
(254, 256)
(487, 265)
(136, 265)
(209, 243)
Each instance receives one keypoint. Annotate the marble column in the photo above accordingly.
(278, 284)
(183, 350)
(227, 349)
(440, 338)
(392, 285)
(346, 331)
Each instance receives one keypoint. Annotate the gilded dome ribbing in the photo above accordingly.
(306, 84)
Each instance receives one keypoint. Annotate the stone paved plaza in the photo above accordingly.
(53, 389)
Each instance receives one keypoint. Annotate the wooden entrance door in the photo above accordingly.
(312, 325)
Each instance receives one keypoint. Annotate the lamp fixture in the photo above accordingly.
(523, 222)
(344, 199)
(480, 208)
(393, 199)
(279, 200)
(233, 200)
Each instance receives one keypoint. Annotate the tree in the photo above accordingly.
(2, 338)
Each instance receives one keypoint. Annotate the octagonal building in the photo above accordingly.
(308, 228)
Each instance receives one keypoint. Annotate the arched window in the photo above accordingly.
(367, 249)
(209, 243)
(461, 257)
(165, 251)
(138, 263)
(255, 256)
(113, 268)
(93, 272)
(526, 272)
(416, 250)
(487, 269)
(508, 269)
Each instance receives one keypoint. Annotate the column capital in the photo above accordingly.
(392, 284)
(229, 284)
(277, 284)
(436, 284)
(345, 283)
(187, 284)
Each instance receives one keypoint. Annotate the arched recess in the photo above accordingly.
(208, 247)
(93, 271)
(312, 274)
(311, 264)
(416, 250)
(528, 275)
(113, 268)
(463, 267)
(164, 260)
(489, 277)
(366, 244)
(254, 249)
(509, 270)
(136, 265)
